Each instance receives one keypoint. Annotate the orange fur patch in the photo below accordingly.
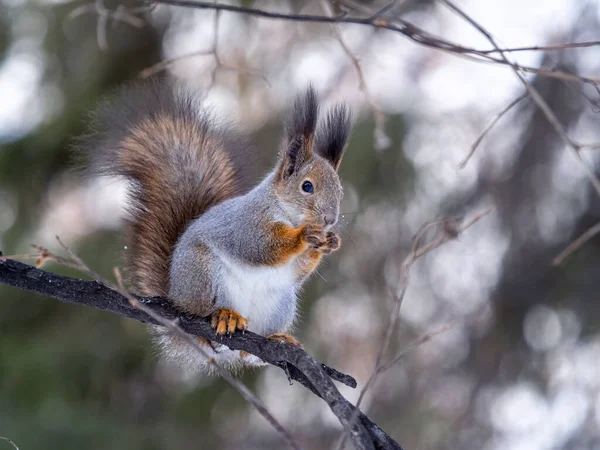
(286, 243)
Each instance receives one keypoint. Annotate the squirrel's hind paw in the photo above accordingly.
(284, 337)
(227, 321)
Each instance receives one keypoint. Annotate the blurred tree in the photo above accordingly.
(523, 357)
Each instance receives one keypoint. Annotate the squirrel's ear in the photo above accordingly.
(299, 133)
(332, 136)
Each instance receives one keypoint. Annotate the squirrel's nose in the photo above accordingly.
(329, 219)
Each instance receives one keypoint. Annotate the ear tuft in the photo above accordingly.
(302, 121)
(332, 136)
(299, 133)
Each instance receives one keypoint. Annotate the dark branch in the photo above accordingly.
(297, 364)
(375, 19)
(401, 26)
(406, 29)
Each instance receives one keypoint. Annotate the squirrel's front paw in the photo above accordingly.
(284, 337)
(227, 320)
(332, 243)
(314, 235)
(325, 242)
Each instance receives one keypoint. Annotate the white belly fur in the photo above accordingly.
(258, 293)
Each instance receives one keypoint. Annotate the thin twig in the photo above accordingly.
(384, 10)
(458, 49)
(214, 53)
(575, 147)
(398, 25)
(395, 360)
(382, 140)
(3, 438)
(101, 35)
(215, 50)
(576, 245)
(162, 65)
(418, 251)
(485, 58)
(487, 129)
(42, 256)
(448, 229)
(544, 48)
(406, 29)
(421, 37)
(413, 345)
(120, 14)
(546, 73)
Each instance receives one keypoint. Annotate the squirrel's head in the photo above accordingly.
(307, 181)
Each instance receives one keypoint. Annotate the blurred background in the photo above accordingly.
(520, 368)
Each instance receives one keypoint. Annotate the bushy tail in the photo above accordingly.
(178, 163)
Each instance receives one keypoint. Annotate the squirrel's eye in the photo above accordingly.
(307, 187)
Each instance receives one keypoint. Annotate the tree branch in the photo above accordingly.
(297, 364)
(537, 98)
(484, 133)
(447, 229)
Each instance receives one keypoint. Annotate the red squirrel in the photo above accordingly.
(192, 237)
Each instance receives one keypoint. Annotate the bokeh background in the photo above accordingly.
(519, 369)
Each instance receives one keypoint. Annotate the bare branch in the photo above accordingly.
(413, 345)
(9, 441)
(447, 229)
(544, 48)
(401, 26)
(387, 8)
(382, 140)
(406, 29)
(213, 52)
(538, 99)
(296, 363)
(395, 360)
(162, 65)
(172, 325)
(120, 14)
(576, 244)
(574, 146)
(487, 129)
(374, 19)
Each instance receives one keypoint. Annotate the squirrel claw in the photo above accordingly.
(227, 321)
(284, 337)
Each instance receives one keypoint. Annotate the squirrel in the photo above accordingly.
(193, 236)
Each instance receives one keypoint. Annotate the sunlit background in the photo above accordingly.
(520, 366)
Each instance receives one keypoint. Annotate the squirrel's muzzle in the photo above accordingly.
(330, 218)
